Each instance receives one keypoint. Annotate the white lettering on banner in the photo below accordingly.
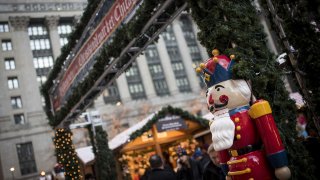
(119, 10)
(171, 125)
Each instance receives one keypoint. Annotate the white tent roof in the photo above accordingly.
(85, 154)
(124, 136)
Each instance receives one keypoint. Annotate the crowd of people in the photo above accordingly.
(202, 165)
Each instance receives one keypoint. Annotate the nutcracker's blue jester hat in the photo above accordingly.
(216, 69)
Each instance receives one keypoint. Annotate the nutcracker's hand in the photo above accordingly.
(283, 173)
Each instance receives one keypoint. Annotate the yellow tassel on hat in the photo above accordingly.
(215, 59)
(200, 68)
(215, 52)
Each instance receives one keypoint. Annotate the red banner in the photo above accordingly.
(119, 10)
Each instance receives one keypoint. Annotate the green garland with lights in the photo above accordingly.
(169, 110)
(66, 154)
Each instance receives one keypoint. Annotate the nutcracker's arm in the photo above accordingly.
(224, 158)
(261, 112)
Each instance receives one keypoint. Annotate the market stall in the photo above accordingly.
(160, 133)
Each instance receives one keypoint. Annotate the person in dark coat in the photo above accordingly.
(188, 169)
(212, 171)
(166, 161)
(157, 171)
(202, 159)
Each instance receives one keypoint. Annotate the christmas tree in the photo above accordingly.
(66, 154)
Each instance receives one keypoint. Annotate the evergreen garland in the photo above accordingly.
(104, 156)
(167, 111)
(305, 40)
(233, 28)
(66, 154)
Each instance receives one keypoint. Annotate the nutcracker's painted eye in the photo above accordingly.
(218, 87)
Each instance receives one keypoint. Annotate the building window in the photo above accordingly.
(26, 158)
(16, 102)
(133, 71)
(194, 49)
(183, 85)
(152, 52)
(136, 91)
(41, 49)
(41, 79)
(40, 44)
(111, 94)
(43, 62)
(63, 41)
(155, 69)
(64, 30)
(13, 82)
(4, 27)
(9, 64)
(168, 35)
(174, 53)
(188, 35)
(161, 87)
(135, 83)
(37, 31)
(43, 101)
(136, 88)
(18, 118)
(6, 45)
(178, 66)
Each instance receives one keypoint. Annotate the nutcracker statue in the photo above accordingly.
(243, 130)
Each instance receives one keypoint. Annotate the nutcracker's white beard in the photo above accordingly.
(222, 130)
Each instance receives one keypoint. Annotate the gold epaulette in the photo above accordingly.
(260, 109)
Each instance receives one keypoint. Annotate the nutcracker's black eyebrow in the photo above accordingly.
(217, 86)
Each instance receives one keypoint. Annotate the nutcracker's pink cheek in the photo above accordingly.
(224, 99)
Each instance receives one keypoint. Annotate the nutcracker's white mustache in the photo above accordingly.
(222, 129)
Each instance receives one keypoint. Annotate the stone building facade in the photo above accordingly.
(31, 34)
